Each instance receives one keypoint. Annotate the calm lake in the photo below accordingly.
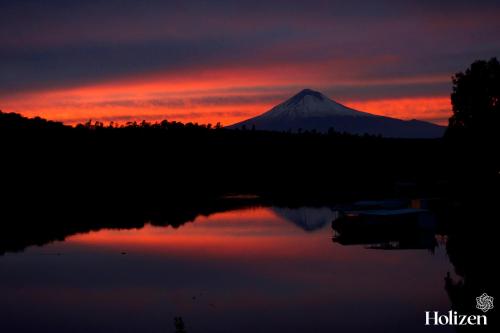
(262, 269)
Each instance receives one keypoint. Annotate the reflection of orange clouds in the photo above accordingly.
(253, 232)
(436, 109)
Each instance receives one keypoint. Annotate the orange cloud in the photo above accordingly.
(434, 109)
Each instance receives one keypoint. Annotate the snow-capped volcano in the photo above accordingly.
(310, 103)
(311, 110)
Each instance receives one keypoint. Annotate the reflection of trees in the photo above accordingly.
(386, 239)
(39, 225)
(415, 230)
(470, 226)
(179, 325)
(472, 247)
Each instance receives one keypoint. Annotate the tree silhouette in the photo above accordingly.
(476, 100)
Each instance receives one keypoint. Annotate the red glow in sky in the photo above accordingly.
(227, 60)
(225, 95)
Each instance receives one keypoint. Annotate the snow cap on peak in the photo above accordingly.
(310, 103)
(303, 94)
(309, 92)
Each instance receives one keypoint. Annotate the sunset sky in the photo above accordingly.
(225, 61)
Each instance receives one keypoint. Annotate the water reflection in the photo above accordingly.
(244, 270)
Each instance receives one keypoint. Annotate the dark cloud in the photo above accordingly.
(383, 91)
(63, 66)
(55, 43)
(224, 100)
(178, 103)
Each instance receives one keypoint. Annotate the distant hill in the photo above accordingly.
(311, 110)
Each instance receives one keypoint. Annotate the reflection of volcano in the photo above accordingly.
(307, 218)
